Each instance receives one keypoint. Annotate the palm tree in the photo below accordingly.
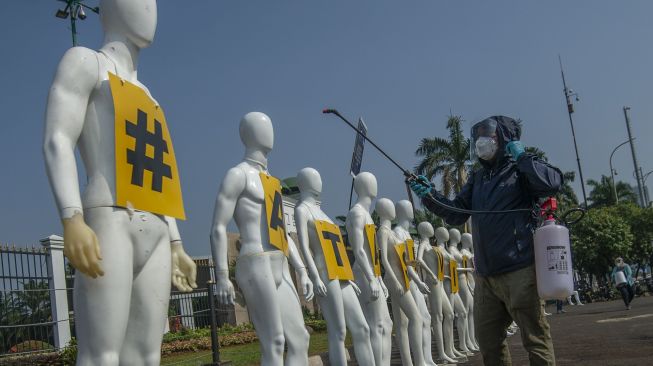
(446, 158)
(602, 193)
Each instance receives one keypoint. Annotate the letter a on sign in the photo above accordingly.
(440, 264)
(146, 169)
(402, 253)
(333, 247)
(370, 237)
(274, 212)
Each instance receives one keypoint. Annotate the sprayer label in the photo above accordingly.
(557, 259)
(453, 273)
(402, 253)
(375, 258)
(333, 247)
(274, 212)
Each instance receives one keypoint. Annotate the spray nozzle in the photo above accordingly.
(548, 208)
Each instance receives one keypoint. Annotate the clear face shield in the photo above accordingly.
(485, 143)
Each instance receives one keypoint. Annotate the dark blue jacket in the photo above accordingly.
(502, 242)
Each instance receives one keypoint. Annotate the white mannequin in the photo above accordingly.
(261, 269)
(402, 299)
(575, 294)
(467, 287)
(337, 298)
(456, 301)
(467, 244)
(463, 293)
(121, 304)
(418, 288)
(373, 290)
(441, 237)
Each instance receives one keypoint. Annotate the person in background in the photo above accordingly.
(622, 276)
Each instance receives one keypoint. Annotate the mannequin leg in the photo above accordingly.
(436, 309)
(447, 325)
(355, 320)
(577, 298)
(461, 323)
(333, 310)
(149, 306)
(426, 324)
(292, 317)
(400, 325)
(378, 319)
(102, 304)
(409, 308)
(256, 282)
(468, 303)
(569, 300)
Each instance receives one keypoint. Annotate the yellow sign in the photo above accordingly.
(375, 257)
(274, 212)
(410, 248)
(453, 273)
(402, 252)
(146, 169)
(466, 265)
(333, 247)
(440, 264)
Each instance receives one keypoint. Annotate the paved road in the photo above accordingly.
(597, 334)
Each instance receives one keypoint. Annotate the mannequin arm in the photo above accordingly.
(301, 221)
(225, 205)
(355, 229)
(415, 277)
(300, 268)
(382, 238)
(420, 259)
(184, 269)
(73, 83)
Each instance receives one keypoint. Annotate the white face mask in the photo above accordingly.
(486, 148)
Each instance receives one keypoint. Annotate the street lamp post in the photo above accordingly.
(638, 176)
(612, 172)
(75, 9)
(644, 177)
(570, 109)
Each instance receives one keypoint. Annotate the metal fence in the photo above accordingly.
(36, 303)
(26, 322)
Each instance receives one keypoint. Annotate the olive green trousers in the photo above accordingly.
(500, 299)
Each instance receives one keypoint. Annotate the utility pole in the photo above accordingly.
(638, 173)
(570, 109)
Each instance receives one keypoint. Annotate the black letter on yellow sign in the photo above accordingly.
(276, 221)
(334, 239)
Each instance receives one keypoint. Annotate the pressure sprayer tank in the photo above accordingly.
(553, 257)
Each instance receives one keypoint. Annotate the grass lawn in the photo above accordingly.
(242, 355)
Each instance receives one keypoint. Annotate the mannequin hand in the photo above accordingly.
(184, 270)
(421, 186)
(423, 288)
(357, 289)
(386, 293)
(224, 290)
(375, 289)
(399, 288)
(81, 246)
(319, 287)
(306, 284)
(515, 149)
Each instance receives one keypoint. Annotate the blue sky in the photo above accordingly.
(402, 66)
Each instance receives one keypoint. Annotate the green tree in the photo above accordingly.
(602, 193)
(598, 239)
(447, 159)
(641, 226)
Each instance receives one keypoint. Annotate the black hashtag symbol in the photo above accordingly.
(139, 159)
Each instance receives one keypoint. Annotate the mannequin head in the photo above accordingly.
(365, 185)
(404, 210)
(309, 183)
(441, 235)
(454, 236)
(619, 262)
(256, 132)
(385, 209)
(466, 239)
(134, 20)
(425, 230)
